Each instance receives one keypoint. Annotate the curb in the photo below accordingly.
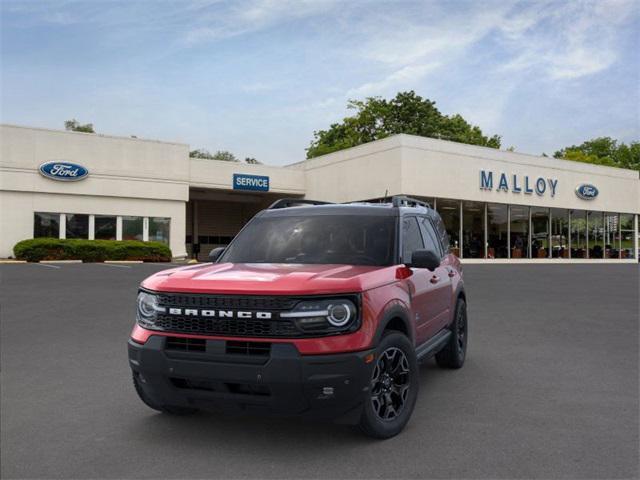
(60, 261)
(123, 261)
(7, 262)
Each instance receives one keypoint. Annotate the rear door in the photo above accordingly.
(440, 299)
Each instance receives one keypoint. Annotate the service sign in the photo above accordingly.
(63, 171)
(586, 191)
(257, 183)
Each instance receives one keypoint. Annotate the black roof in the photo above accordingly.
(357, 208)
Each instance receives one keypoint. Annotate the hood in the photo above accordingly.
(270, 278)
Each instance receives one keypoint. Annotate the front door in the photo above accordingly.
(427, 288)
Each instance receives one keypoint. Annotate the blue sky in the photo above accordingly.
(258, 77)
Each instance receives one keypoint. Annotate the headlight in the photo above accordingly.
(325, 315)
(148, 309)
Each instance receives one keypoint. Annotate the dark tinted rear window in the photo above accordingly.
(317, 239)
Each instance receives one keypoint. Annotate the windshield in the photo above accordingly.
(339, 239)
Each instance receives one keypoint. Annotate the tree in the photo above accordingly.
(377, 118)
(252, 161)
(604, 151)
(75, 126)
(219, 155)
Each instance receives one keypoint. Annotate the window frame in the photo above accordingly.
(424, 228)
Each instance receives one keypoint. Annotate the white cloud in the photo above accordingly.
(400, 79)
(564, 41)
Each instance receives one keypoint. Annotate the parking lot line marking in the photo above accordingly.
(47, 265)
(114, 265)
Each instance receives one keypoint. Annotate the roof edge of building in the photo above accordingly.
(117, 137)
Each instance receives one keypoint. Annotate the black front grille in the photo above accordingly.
(186, 344)
(248, 348)
(236, 327)
(230, 302)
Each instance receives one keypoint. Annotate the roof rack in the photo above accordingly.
(295, 202)
(404, 201)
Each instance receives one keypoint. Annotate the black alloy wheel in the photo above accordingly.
(455, 351)
(390, 384)
(393, 387)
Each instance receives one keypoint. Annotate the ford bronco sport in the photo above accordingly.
(314, 309)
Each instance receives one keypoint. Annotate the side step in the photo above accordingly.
(433, 345)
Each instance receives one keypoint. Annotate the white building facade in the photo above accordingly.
(498, 206)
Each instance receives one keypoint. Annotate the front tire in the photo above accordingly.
(455, 351)
(393, 388)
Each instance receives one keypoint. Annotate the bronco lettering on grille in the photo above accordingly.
(193, 312)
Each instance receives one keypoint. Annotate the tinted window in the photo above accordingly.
(77, 226)
(105, 227)
(317, 239)
(442, 232)
(132, 228)
(430, 240)
(411, 238)
(46, 225)
(159, 229)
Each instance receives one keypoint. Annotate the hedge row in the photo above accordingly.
(37, 249)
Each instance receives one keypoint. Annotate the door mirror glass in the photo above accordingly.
(425, 259)
(214, 254)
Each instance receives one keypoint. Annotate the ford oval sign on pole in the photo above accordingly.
(258, 183)
(63, 171)
(586, 191)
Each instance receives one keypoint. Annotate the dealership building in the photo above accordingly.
(498, 206)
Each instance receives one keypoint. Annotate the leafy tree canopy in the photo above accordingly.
(75, 126)
(377, 118)
(219, 155)
(604, 151)
(223, 155)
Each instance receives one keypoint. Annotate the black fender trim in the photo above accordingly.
(394, 310)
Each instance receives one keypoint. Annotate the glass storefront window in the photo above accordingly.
(519, 231)
(77, 226)
(473, 230)
(539, 232)
(596, 235)
(559, 233)
(497, 231)
(578, 234)
(159, 229)
(449, 211)
(626, 236)
(611, 236)
(46, 225)
(105, 227)
(132, 228)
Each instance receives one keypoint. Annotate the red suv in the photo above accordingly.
(314, 309)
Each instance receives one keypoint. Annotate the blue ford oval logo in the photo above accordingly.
(586, 191)
(64, 171)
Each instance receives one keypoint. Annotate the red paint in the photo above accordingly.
(381, 288)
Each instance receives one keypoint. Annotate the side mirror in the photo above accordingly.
(214, 254)
(425, 259)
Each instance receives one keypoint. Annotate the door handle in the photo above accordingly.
(435, 279)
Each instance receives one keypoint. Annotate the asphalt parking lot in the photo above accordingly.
(549, 390)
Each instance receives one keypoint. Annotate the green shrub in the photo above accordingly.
(36, 249)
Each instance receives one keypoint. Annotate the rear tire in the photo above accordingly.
(393, 387)
(168, 409)
(455, 351)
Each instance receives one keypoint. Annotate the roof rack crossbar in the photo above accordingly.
(404, 201)
(295, 202)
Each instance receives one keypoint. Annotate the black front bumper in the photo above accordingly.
(283, 382)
